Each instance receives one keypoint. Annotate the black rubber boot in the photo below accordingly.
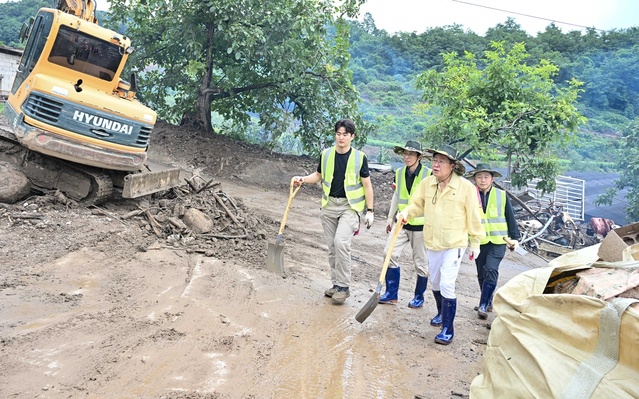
(486, 298)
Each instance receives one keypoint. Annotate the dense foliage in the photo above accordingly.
(280, 66)
(386, 66)
(385, 69)
(628, 165)
(500, 105)
(13, 15)
(281, 72)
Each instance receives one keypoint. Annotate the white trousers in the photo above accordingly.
(444, 268)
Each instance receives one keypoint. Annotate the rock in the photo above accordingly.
(14, 185)
(197, 221)
(178, 210)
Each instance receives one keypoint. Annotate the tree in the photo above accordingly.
(502, 106)
(509, 32)
(628, 164)
(281, 65)
(13, 14)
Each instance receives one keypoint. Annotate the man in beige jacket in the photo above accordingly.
(452, 215)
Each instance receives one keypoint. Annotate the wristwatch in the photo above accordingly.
(370, 210)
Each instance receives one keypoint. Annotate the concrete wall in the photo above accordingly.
(9, 59)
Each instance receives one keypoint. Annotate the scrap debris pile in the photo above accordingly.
(547, 230)
(198, 216)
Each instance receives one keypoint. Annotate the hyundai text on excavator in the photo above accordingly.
(71, 122)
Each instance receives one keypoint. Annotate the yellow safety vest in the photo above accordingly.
(352, 181)
(494, 219)
(404, 195)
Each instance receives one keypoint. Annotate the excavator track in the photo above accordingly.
(100, 190)
(84, 184)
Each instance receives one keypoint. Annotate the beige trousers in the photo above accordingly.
(416, 241)
(340, 222)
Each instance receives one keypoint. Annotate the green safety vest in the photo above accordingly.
(352, 181)
(404, 195)
(494, 219)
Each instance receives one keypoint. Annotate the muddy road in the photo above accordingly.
(93, 305)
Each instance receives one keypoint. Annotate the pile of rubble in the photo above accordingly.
(196, 217)
(549, 231)
(199, 216)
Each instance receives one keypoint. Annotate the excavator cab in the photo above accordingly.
(86, 54)
(68, 101)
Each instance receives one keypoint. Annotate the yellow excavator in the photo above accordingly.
(72, 123)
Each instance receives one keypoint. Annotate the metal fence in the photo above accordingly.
(570, 194)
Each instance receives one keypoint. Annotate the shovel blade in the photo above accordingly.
(369, 306)
(275, 258)
(521, 251)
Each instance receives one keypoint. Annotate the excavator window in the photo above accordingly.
(39, 31)
(86, 54)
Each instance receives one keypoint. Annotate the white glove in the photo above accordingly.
(474, 253)
(368, 219)
(402, 217)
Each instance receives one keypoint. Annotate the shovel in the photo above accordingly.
(512, 245)
(372, 303)
(275, 254)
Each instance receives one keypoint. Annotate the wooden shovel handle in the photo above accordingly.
(291, 194)
(398, 228)
(510, 242)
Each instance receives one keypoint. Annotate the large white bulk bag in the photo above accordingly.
(567, 346)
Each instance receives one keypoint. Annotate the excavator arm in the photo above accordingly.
(83, 9)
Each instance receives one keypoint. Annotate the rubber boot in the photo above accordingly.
(489, 307)
(449, 307)
(486, 296)
(437, 320)
(481, 285)
(392, 286)
(420, 288)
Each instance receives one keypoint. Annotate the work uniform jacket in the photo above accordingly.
(451, 215)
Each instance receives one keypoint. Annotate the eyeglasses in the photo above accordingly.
(342, 134)
(440, 161)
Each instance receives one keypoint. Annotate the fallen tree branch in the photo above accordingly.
(154, 223)
(108, 214)
(209, 184)
(27, 216)
(191, 184)
(228, 211)
(227, 237)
